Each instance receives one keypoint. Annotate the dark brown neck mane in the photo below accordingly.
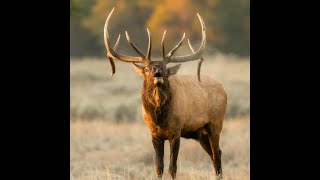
(156, 101)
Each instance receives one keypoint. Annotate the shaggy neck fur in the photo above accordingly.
(156, 101)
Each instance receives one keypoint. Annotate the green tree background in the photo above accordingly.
(227, 22)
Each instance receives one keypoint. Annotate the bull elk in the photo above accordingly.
(175, 106)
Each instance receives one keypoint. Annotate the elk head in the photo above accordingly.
(154, 71)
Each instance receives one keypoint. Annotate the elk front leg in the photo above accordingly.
(174, 151)
(158, 145)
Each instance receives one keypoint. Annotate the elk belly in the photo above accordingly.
(195, 121)
(157, 80)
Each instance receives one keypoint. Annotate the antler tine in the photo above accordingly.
(199, 53)
(117, 42)
(175, 48)
(199, 63)
(162, 44)
(134, 46)
(149, 46)
(110, 52)
(190, 46)
(113, 67)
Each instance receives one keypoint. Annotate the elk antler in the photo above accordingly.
(134, 46)
(113, 67)
(138, 50)
(162, 44)
(149, 45)
(195, 56)
(111, 52)
(168, 57)
(199, 63)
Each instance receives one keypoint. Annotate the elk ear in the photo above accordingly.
(139, 69)
(173, 70)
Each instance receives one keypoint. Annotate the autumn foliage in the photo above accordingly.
(227, 22)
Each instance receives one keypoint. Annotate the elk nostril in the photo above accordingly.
(157, 74)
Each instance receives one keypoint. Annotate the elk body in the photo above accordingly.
(175, 106)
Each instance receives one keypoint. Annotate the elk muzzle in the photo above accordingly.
(157, 77)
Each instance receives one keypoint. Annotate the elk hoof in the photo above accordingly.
(159, 176)
(159, 171)
(172, 172)
(219, 176)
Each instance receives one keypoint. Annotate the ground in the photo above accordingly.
(103, 150)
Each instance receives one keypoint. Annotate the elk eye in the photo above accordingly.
(146, 70)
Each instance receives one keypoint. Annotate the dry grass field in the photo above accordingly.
(104, 150)
(109, 140)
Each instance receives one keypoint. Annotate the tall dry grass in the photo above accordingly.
(105, 150)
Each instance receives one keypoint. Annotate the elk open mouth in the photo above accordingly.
(157, 78)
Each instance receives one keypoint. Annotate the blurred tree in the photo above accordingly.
(177, 17)
(82, 42)
(128, 16)
(227, 23)
(73, 8)
(233, 25)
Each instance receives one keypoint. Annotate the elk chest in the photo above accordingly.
(164, 130)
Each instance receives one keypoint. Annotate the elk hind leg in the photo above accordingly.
(214, 137)
(204, 142)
